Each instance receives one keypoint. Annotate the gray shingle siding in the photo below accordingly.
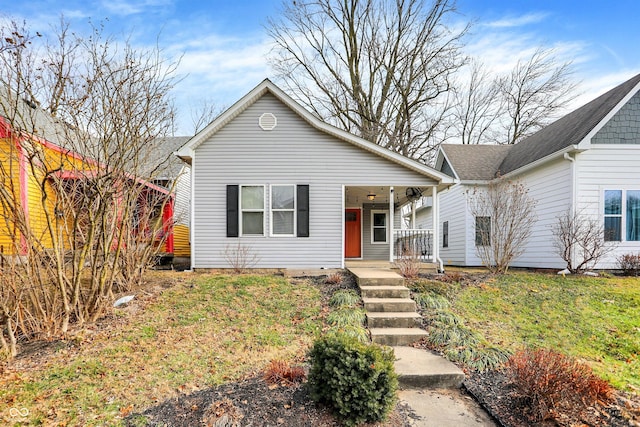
(624, 126)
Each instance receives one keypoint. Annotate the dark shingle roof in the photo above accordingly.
(161, 157)
(566, 131)
(475, 162)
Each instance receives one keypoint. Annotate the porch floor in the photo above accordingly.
(425, 267)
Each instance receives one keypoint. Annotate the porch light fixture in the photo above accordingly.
(371, 196)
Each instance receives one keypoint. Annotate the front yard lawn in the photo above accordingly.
(596, 319)
(194, 332)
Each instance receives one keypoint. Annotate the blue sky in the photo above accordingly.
(223, 44)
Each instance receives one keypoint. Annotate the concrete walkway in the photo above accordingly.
(429, 384)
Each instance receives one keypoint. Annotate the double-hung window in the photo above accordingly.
(283, 210)
(252, 210)
(621, 212)
(483, 231)
(379, 227)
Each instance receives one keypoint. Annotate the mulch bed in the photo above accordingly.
(251, 402)
(494, 391)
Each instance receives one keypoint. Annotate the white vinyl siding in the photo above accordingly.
(453, 209)
(292, 153)
(607, 167)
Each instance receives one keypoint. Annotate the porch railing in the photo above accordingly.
(416, 243)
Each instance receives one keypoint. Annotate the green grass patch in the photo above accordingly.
(594, 319)
(205, 331)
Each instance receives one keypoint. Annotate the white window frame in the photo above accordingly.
(242, 211)
(372, 226)
(623, 213)
(294, 210)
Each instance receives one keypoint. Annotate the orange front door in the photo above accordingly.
(352, 230)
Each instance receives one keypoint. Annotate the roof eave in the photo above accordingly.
(570, 149)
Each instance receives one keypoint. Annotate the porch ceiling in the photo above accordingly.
(357, 195)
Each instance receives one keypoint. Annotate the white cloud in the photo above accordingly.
(517, 21)
(132, 7)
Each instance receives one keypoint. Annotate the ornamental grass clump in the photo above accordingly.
(356, 380)
(553, 383)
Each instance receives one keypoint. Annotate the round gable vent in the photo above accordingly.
(268, 121)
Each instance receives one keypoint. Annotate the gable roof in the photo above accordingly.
(569, 130)
(475, 162)
(186, 152)
(485, 162)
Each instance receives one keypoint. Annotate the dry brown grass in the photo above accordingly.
(182, 333)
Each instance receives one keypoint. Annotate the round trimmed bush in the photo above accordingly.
(356, 380)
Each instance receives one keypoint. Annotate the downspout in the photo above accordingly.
(572, 208)
(435, 207)
(573, 181)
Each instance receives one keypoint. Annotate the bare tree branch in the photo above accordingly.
(380, 69)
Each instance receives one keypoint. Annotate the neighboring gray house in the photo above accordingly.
(270, 176)
(588, 162)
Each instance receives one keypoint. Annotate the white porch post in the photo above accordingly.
(344, 224)
(435, 217)
(391, 222)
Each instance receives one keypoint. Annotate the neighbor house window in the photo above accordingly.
(379, 227)
(445, 234)
(621, 212)
(283, 209)
(483, 231)
(252, 209)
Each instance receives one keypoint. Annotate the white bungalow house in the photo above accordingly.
(587, 162)
(270, 177)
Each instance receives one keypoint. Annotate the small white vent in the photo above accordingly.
(268, 121)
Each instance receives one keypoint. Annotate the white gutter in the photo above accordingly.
(525, 168)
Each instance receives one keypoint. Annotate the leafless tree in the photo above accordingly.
(378, 68)
(509, 211)
(534, 92)
(204, 114)
(579, 240)
(477, 107)
(84, 117)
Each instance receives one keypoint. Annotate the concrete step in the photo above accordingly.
(377, 277)
(393, 320)
(384, 291)
(396, 336)
(390, 305)
(417, 368)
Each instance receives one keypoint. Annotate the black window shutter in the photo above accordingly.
(303, 210)
(232, 211)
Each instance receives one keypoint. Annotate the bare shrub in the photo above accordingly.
(629, 264)
(579, 240)
(509, 214)
(333, 279)
(240, 257)
(408, 265)
(554, 382)
(281, 372)
(80, 120)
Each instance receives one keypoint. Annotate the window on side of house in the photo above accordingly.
(379, 227)
(633, 215)
(252, 210)
(483, 231)
(612, 215)
(445, 234)
(283, 210)
(622, 212)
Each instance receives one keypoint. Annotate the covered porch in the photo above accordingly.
(380, 224)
